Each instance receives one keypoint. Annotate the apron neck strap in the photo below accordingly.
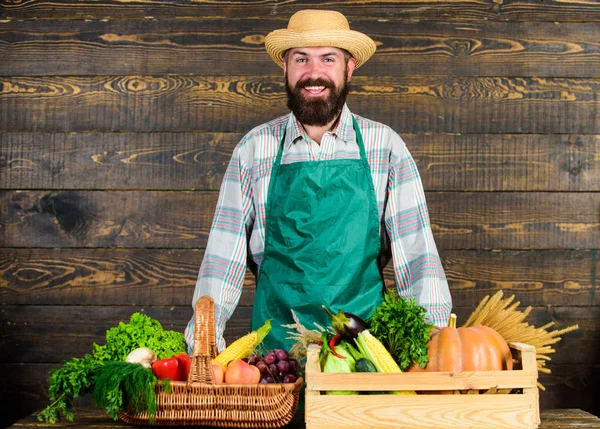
(359, 141)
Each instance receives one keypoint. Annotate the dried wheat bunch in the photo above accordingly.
(501, 315)
(303, 337)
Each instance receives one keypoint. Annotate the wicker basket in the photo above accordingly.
(201, 402)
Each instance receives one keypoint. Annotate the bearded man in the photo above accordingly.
(317, 202)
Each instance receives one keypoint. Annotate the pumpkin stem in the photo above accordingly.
(452, 321)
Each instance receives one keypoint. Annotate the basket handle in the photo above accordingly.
(205, 344)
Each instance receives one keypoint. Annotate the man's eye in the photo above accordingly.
(329, 60)
(301, 60)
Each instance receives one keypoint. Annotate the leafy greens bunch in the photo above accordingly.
(80, 376)
(75, 379)
(141, 331)
(401, 326)
(122, 385)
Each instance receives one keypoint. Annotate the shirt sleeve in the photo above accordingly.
(417, 267)
(223, 268)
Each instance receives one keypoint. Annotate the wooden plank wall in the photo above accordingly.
(117, 120)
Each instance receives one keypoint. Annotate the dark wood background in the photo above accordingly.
(117, 120)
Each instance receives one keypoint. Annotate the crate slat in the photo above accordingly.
(420, 411)
(423, 381)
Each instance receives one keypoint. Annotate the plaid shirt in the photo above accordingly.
(238, 230)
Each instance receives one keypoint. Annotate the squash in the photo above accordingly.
(477, 348)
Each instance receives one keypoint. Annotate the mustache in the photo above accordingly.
(315, 82)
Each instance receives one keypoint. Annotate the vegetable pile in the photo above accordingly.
(123, 373)
(397, 337)
(396, 326)
(118, 374)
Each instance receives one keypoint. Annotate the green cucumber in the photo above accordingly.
(364, 365)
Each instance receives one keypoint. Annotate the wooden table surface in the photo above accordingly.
(95, 418)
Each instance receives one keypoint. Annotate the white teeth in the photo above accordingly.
(314, 88)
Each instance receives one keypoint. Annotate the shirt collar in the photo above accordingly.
(344, 129)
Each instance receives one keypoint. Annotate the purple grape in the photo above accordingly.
(270, 358)
(281, 354)
(273, 369)
(253, 359)
(290, 378)
(283, 366)
(262, 367)
(269, 380)
(264, 381)
(293, 366)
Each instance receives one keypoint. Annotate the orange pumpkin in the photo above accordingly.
(477, 348)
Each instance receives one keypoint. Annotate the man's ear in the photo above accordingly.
(350, 67)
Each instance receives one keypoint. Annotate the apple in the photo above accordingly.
(217, 370)
(240, 372)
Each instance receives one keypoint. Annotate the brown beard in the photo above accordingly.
(318, 111)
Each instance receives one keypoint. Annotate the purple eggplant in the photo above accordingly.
(346, 324)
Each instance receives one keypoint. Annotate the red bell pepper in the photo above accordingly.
(176, 368)
(184, 366)
(167, 368)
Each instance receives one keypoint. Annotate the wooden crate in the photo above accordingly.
(500, 410)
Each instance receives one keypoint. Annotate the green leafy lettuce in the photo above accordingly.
(141, 331)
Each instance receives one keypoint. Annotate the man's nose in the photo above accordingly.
(315, 69)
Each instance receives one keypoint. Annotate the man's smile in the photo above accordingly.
(315, 90)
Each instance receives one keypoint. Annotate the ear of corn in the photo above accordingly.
(376, 353)
(373, 350)
(243, 347)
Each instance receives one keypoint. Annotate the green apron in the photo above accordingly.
(321, 244)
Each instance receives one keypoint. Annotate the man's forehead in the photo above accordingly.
(316, 50)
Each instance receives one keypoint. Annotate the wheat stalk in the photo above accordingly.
(496, 313)
(303, 337)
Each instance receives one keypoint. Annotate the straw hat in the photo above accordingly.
(319, 28)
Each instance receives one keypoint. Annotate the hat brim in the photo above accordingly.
(360, 46)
